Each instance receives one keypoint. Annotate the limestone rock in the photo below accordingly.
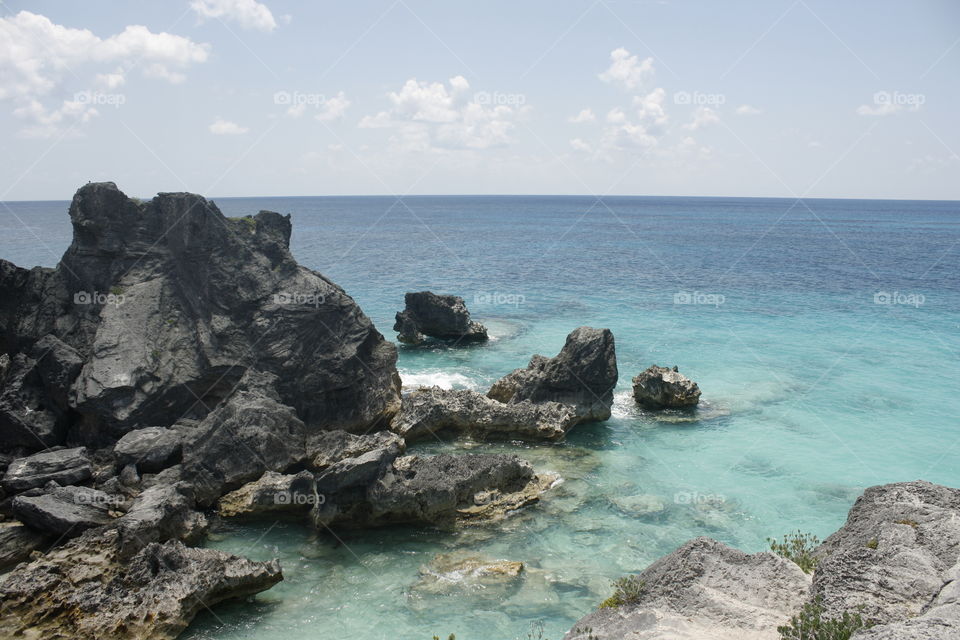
(274, 493)
(151, 449)
(664, 388)
(444, 317)
(64, 466)
(431, 411)
(66, 511)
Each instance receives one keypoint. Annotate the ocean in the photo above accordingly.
(824, 334)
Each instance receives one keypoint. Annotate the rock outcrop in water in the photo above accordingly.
(896, 563)
(436, 316)
(157, 310)
(665, 388)
(432, 412)
(583, 375)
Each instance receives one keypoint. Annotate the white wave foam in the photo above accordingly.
(624, 405)
(442, 379)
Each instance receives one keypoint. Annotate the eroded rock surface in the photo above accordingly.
(582, 375)
(665, 388)
(437, 316)
(65, 466)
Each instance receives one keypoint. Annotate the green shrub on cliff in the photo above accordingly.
(626, 590)
(797, 547)
(811, 625)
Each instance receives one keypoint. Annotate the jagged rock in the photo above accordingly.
(66, 511)
(434, 489)
(168, 303)
(939, 621)
(161, 512)
(705, 590)
(448, 573)
(64, 466)
(915, 527)
(583, 374)
(665, 388)
(273, 493)
(249, 433)
(430, 411)
(150, 450)
(88, 589)
(444, 317)
(327, 448)
(18, 541)
(359, 471)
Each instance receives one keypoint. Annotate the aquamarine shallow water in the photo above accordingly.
(812, 390)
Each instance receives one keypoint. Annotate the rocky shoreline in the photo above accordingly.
(178, 367)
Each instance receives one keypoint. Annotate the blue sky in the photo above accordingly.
(238, 97)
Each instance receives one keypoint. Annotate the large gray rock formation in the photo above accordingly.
(444, 317)
(64, 466)
(65, 511)
(583, 375)
(431, 412)
(150, 450)
(90, 589)
(664, 388)
(704, 590)
(895, 562)
(166, 304)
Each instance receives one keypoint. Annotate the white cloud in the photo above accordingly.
(626, 70)
(249, 14)
(581, 145)
(37, 55)
(616, 116)
(748, 110)
(221, 127)
(430, 116)
(650, 108)
(585, 115)
(702, 117)
(333, 108)
(46, 123)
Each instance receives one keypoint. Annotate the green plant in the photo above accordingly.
(116, 290)
(907, 521)
(799, 548)
(585, 633)
(810, 624)
(626, 590)
(451, 637)
(872, 543)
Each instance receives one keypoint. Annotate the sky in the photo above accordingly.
(774, 98)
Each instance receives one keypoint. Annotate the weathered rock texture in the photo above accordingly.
(65, 466)
(444, 317)
(429, 412)
(582, 375)
(89, 589)
(157, 310)
(665, 388)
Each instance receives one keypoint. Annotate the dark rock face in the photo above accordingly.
(444, 317)
(583, 374)
(273, 494)
(18, 541)
(64, 466)
(150, 450)
(89, 589)
(328, 448)
(665, 388)
(705, 589)
(65, 511)
(166, 304)
(431, 411)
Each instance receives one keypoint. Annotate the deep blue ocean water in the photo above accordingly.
(825, 335)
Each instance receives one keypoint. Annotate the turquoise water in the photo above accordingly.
(812, 390)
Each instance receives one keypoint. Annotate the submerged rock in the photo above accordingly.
(158, 308)
(431, 411)
(704, 590)
(665, 388)
(468, 575)
(64, 466)
(583, 375)
(89, 589)
(444, 317)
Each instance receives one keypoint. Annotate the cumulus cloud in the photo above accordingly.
(581, 145)
(221, 127)
(626, 70)
(748, 110)
(333, 108)
(432, 115)
(702, 117)
(44, 123)
(650, 108)
(249, 14)
(37, 55)
(585, 115)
